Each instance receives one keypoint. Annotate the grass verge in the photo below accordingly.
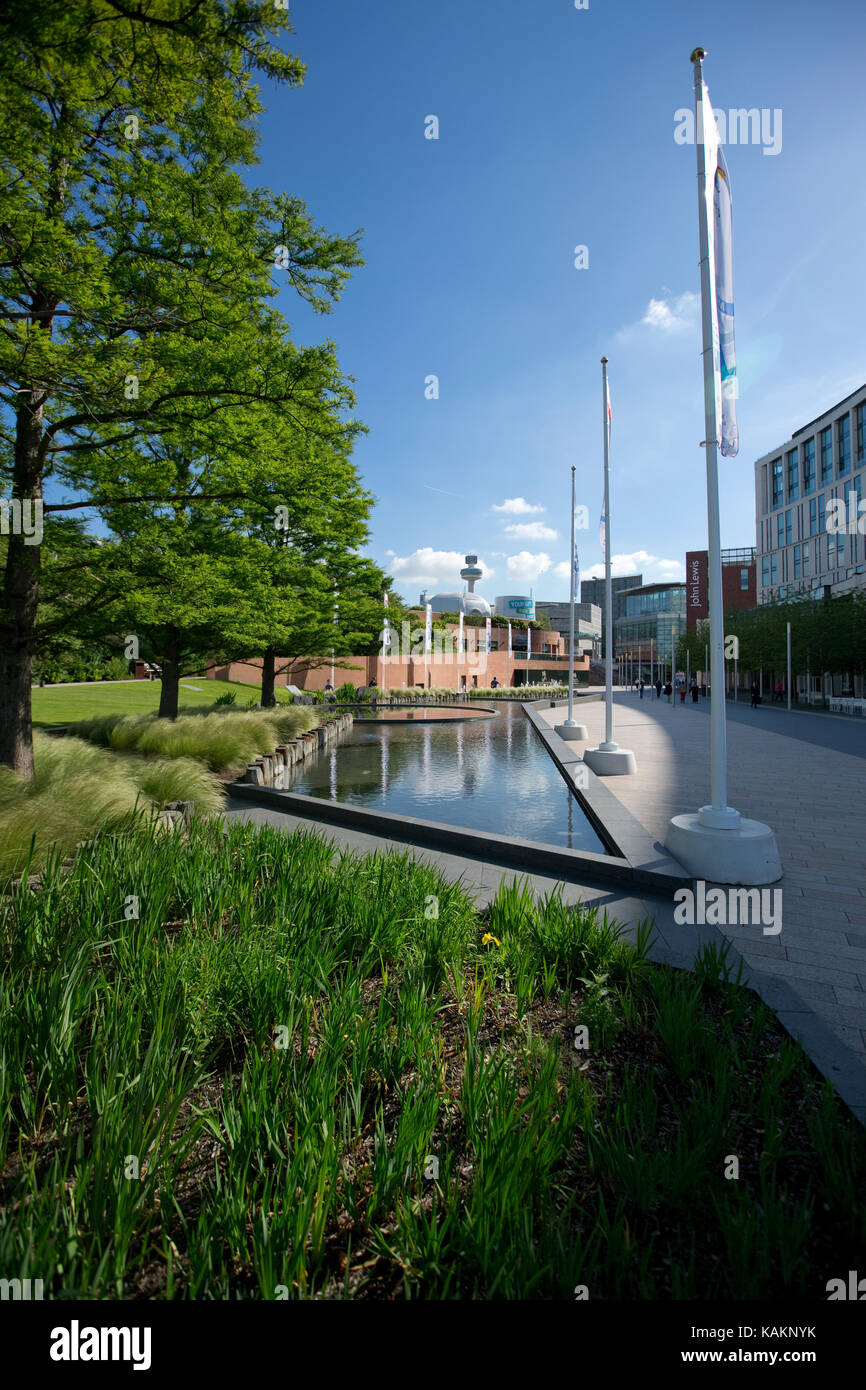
(294, 1075)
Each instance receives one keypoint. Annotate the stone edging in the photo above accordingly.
(262, 771)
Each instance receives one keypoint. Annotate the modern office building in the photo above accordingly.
(653, 621)
(738, 583)
(593, 591)
(587, 625)
(801, 546)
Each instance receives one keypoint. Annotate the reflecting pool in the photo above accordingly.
(491, 774)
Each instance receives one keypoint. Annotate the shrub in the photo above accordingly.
(222, 738)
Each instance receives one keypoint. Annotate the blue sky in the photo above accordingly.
(556, 129)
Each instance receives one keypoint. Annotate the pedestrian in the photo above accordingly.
(693, 690)
(778, 696)
(659, 688)
(641, 689)
(754, 695)
(669, 691)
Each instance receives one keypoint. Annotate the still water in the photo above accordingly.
(490, 774)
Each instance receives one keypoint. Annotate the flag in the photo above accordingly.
(510, 650)
(576, 563)
(460, 635)
(601, 534)
(488, 636)
(428, 629)
(609, 415)
(717, 193)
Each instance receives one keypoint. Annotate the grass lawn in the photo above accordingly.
(68, 704)
(290, 1075)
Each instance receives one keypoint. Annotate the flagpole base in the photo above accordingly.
(609, 760)
(745, 853)
(571, 730)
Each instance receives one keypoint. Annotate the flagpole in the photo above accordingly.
(717, 843)
(608, 581)
(608, 759)
(719, 814)
(570, 729)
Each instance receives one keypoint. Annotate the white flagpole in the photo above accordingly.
(570, 729)
(608, 582)
(716, 844)
(608, 759)
(719, 814)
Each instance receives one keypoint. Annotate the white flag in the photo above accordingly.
(510, 652)
(428, 630)
(488, 636)
(717, 192)
(602, 534)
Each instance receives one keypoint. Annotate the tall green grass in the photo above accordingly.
(222, 738)
(300, 1074)
(80, 790)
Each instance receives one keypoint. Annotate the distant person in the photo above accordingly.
(755, 696)
(494, 684)
(693, 690)
(640, 685)
(659, 688)
(669, 690)
(777, 699)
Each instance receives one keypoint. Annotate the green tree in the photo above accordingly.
(134, 263)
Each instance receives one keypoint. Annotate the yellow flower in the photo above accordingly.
(488, 937)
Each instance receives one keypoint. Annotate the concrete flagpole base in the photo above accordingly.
(724, 847)
(569, 729)
(609, 760)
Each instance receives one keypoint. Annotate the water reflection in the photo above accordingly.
(489, 774)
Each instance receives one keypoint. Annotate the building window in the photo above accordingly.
(777, 482)
(822, 514)
(808, 467)
(826, 454)
(793, 476)
(813, 517)
(797, 561)
(780, 529)
(765, 570)
(860, 415)
(744, 580)
(843, 442)
(840, 549)
(788, 532)
(774, 572)
(805, 558)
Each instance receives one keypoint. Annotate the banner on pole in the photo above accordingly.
(428, 630)
(717, 192)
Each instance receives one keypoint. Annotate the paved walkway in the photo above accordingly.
(804, 776)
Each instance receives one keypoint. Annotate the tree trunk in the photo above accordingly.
(170, 681)
(269, 664)
(20, 596)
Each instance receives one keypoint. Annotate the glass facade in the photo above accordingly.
(808, 467)
(793, 476)
(843, 442)
(826, 454)
(656, 619)
(777, 483)
(860, 415)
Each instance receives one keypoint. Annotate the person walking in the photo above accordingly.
(641, 689)
(754, 695)
(777, 699)
(693, 690)
(669, 691)
(658, 688)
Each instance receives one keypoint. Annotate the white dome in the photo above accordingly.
(456, 603)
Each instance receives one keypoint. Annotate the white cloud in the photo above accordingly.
(526, 566)
(654, 568)
(670, 315)
(518, 506)
(562, 571)
(531, 531)
(674, 313)
(433, 569)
